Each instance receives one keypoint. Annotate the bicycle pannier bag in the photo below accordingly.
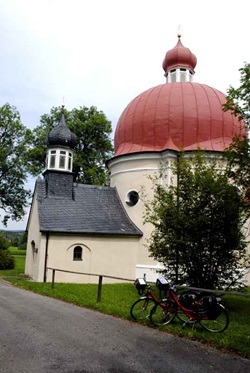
(140, 284)
(211, 306)
(162, 284)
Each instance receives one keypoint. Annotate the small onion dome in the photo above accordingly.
(177, 116)
(179, 56)
(61, 135)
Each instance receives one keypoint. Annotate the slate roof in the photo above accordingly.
(93, 210)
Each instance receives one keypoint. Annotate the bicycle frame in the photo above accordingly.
(192, 314)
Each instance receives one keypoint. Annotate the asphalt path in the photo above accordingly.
(42, 335)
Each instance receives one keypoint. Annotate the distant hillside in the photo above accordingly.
(16, 238)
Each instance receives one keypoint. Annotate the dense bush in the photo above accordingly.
(3, 242)
(7, 261)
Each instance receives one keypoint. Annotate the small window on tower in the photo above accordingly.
(172, 76)
(183, 76)
(62, 159)
(69, 161)
(52, 159)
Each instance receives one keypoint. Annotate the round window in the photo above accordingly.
(132, 198)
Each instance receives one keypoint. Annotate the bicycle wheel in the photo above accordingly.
(182, 316)
(163, 314)
(141, 308)
(219, 324)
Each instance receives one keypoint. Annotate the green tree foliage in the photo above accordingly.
(94, 146)
(238, 101)
(14, 140)
(14, 238)
(22, 241)
(198, 226)
(4, 243)
(7, 261)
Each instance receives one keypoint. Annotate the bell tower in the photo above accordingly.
(59, 160)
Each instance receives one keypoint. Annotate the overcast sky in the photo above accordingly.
(106, 52)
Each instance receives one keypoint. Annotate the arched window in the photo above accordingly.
(77, 253)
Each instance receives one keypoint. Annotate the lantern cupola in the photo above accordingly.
(179, 63)
(61, 142)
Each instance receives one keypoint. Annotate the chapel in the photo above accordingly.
(101, 230)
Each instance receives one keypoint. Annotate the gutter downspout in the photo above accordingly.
(46, 257)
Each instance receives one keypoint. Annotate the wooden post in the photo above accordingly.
(99, 295)
(53, 278)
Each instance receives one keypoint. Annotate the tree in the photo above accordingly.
(4, 244)
(238, 101)
(22, 241)
(6, 259)
(93, 149)
(14, 139)
(198, 225)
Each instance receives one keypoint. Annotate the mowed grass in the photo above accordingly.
(18, 270)
(117, 299)
(15, 251)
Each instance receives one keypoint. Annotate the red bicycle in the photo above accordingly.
(190, 309)
(142, 307)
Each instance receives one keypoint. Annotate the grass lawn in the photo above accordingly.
(15, 251)
(18, 270)
(118, 298)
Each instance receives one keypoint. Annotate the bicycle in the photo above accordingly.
(204, 309)
(141, 309)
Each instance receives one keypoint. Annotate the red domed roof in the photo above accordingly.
(176, 116)
(179, 56)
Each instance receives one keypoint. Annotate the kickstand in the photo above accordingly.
(190, 322)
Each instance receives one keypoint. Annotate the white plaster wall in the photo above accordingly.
(40, 262)
(133, 172)
(32, 258)
(112, 256)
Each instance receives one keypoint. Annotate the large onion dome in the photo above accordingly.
(179, 115)
(176, 116)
